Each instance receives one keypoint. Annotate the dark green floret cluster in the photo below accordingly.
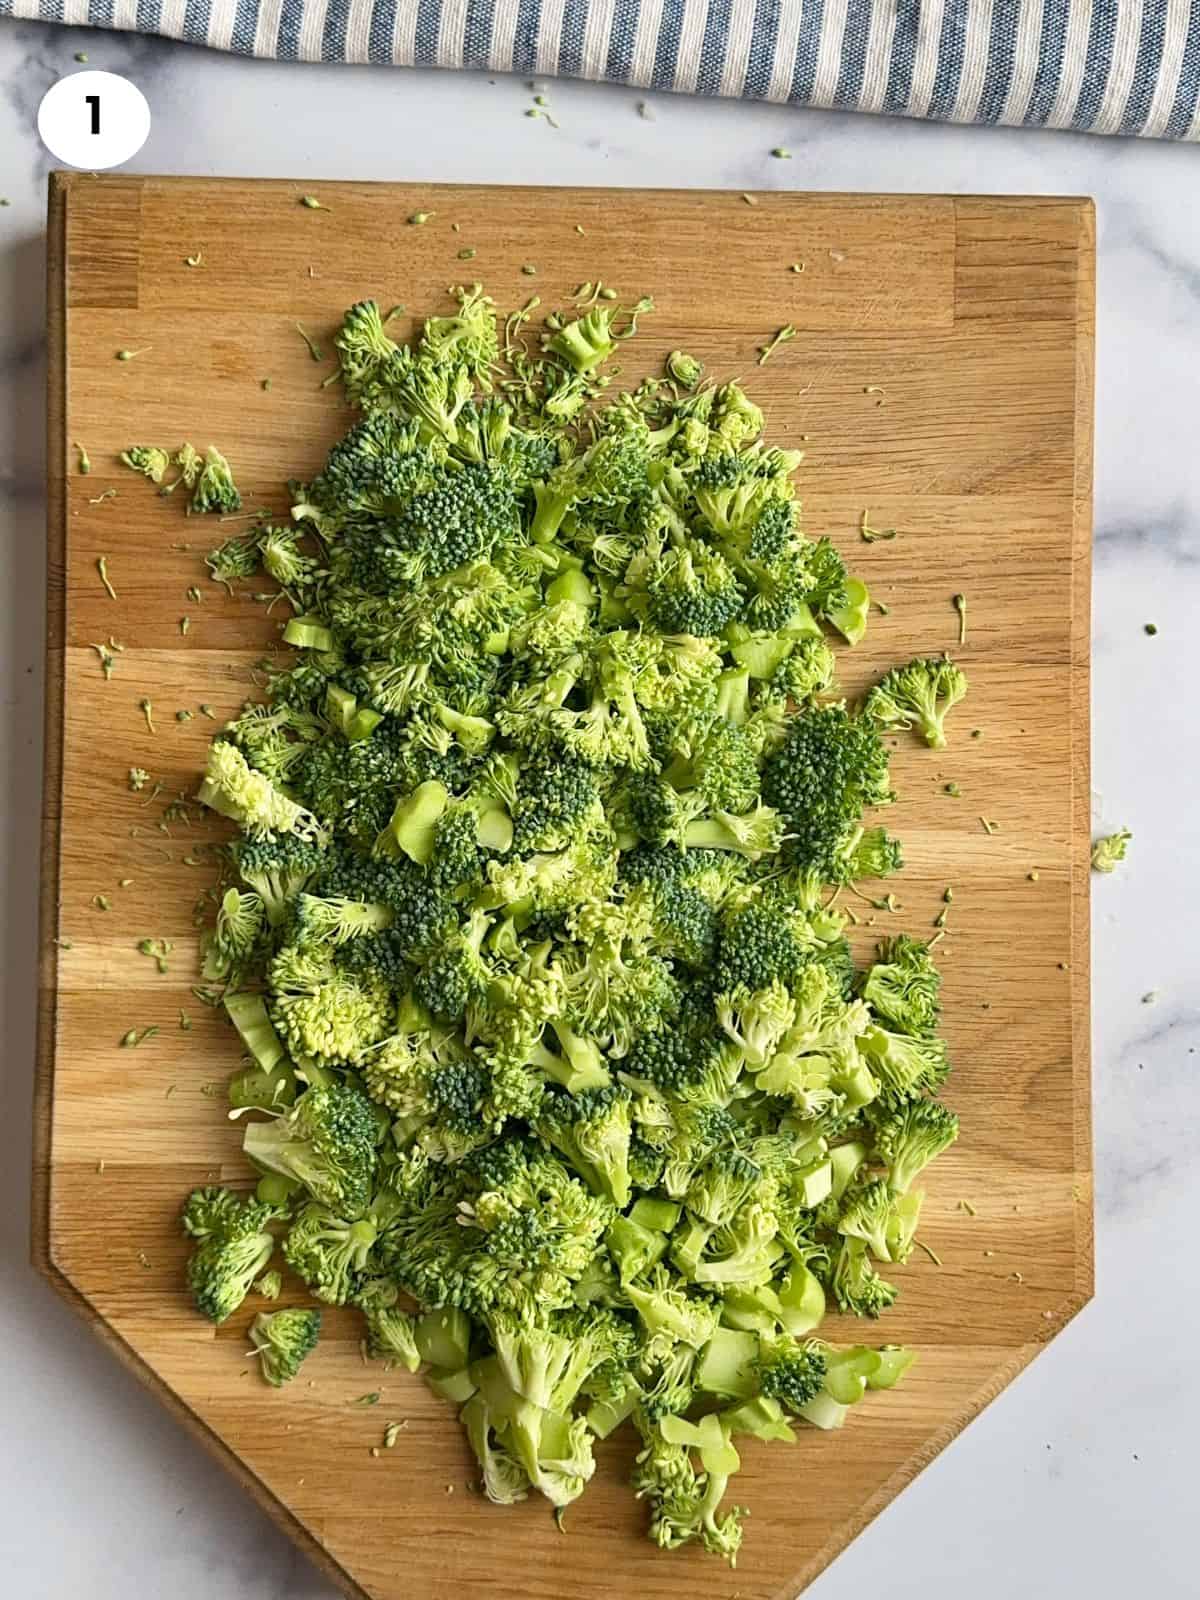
(559, 1067)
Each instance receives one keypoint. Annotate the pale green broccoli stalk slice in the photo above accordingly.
(1109, 850)
(726, 1365)
(281, 1340)
(308, 633)
(443, 1338)
(850, 619)
(760, 1418)
(586, 343)
(634, 1248)
(248, 1013)
(579, 1068)
(919, 695)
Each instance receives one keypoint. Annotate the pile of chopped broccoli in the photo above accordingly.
(560, 1068)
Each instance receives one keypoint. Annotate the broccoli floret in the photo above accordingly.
(856, 1286)
(790, 1372)
(281, 1340)
(327, 1141)
(233, 788)
(592, 1131)
(829, 768)
(215, 489)
(909, 1138)
(906, 1066)
(323, 1011)
(151, 461)
(330, 1252)
(233, 1245)
(903, 986)
(918, 695)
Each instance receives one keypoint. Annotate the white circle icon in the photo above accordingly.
(93, 120)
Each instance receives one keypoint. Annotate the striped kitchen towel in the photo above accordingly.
(1097, 66)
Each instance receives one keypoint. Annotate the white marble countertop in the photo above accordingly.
(1077, 1478)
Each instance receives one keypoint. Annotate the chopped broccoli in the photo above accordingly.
(281, 1340)
(918, 695)
(566, 1081)
(326, 1141)
(233, 1246)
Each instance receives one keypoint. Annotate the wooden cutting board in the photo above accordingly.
(941, 379)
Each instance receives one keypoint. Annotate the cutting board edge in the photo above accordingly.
(61, 181)
(60, 185)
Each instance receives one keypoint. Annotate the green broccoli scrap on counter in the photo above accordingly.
(561, 1071)
(1111, 849)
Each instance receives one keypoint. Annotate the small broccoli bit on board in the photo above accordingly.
(917, 696)
(281, 1340)
(1111, 849)
(558, 1068)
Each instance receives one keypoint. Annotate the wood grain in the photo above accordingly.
(975, 317)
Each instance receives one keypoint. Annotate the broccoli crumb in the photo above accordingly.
(102, 569)
(312, 346)
(870, 535)
(1151, 628)
(1110, 849)
(784, 336)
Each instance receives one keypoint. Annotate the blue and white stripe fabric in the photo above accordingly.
(1096, 66)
